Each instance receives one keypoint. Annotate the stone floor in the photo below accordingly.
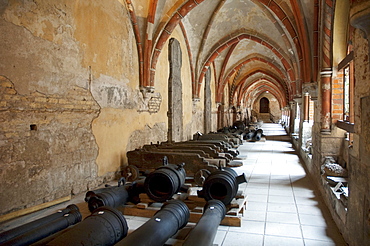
(283, 208)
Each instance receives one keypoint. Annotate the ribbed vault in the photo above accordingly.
(252, 45)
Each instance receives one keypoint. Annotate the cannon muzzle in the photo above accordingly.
(111, 197)
(222, 185)
(205, 230)
(258, 135)
(161, 184)
(173, 216)
(105, 226)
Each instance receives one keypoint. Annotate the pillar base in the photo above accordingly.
(325, 131)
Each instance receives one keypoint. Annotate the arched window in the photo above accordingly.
(264, 105)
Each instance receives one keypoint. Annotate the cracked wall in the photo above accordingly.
(69, 98)
(71, 106)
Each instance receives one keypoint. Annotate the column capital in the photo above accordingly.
(326, 72)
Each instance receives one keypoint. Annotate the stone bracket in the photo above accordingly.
(151, 101)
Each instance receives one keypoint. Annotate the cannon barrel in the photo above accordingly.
(258, 134)
(115, 196)
(92, 193)
(205, 230)
(112, 197)
(7, 235)
(222, 185)
(105, 226)
(161, 184)
(248, 135)
(45, 230)
(173, 216)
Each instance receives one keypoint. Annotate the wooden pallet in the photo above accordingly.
(147, 208)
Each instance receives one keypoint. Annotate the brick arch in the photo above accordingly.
(166, 32)
(275, 81)
(267, 6)
(297, 33)
(189, 54)
(222, 84)
(136, 31)
(270, 86)
(148, 58)
(262, 89)
(236, 39)
(261, 86)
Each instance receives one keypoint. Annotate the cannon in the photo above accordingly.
(204, 151)
(46, 229)
(7, 235)
(173, 216)
(105, 226)
(161, 184)
(150, 160)
(233, 140)
(205, 230)
(249, 135)
(258, 134)
(114, 196)
(222, 185)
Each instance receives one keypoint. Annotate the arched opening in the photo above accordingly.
(264, 105)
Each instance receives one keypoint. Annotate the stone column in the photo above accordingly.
(326, 74)
(292, 116)
(306, 107)
(283, 115)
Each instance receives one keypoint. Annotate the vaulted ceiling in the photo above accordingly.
(253, 46)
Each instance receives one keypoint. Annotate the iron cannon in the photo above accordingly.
(105, 226)
(173, 216)
(222, 185)
(161, 184)
(205, 230)
(44, 227)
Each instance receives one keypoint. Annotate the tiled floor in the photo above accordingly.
(283, 208)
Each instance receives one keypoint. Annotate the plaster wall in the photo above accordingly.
(70, 101)
(47, 149)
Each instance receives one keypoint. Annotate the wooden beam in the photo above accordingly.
(33, 209)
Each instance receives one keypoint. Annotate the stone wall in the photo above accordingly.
(47, 149)
(358, 219)
(71, 106)
(354, 220)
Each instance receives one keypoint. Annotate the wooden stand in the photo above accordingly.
(147, 208)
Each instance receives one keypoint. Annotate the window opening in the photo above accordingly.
(346, 85)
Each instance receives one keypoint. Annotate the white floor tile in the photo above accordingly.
(282, 241)
(282, 207)
(255, 227)
(286, 230)
(242, 239)
(278, 217)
